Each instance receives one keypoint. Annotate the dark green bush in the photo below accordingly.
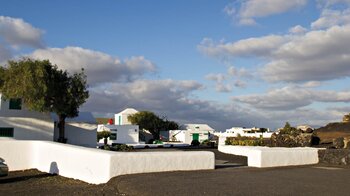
(195, 143)
(121, 147)
(245, 141)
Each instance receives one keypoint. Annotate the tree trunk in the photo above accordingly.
(61, 128)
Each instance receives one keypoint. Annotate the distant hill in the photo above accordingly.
(332, 131)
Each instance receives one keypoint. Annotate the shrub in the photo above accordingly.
(121, 147)
(206, 142)
(245, 141)
(195, 143)
(157, 142)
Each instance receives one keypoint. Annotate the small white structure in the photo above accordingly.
(122, 117)
(259, 156)
(248, 132)
(304, 127)
(121, 134)
(189, 132)
(18, 123)
(94, 165)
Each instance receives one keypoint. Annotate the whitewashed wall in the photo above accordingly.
(29, 128)
(273, 157)
(94, 165)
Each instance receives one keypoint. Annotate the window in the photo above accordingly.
(6, 132)
(113, 136)
(15, 104)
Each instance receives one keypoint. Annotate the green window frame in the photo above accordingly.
(15, 104)
(6, 131)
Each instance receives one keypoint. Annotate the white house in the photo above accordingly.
(122, 117)
(121, 134)
(189, 132)
(16, 122)
(248, 132)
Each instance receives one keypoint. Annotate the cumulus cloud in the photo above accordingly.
(316, 55)
(249, 10)
(170, 98)
(18, 33)
(223, 88)
(291, 98)
(297, 30)
(331, 18)
(319, 55)
(239, 72)
(216, 77)
(240, 84)
(257, 46)
(99, 67)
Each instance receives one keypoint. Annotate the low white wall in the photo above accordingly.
(94, 165)
(273, 157)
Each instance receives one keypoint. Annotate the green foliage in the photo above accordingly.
(288, 129)
(195, 143)
(121, 147)
(157, 142)
(151, 122)
(45, 88)
(104, 135)
(206, 142)
(245, 141)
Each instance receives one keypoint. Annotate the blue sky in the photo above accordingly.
(225, 63)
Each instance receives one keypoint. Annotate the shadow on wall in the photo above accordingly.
(54, 168)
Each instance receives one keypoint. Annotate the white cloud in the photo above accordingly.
(216, 77)
(297, 30)
(251, 9)
(99, 67)
(319, 55)
(241, 72)
(260, 46)
(331, 18)
(291, 98)
(223, 88)
(17, 33)
(240, 84)
(312, 84)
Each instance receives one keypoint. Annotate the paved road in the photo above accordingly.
(239, 181)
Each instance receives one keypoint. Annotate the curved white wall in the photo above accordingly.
(94, 165)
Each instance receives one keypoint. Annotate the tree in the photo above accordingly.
(103, 134)
(45, 88)
(151, 122)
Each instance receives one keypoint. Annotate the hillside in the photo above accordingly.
(332, 131)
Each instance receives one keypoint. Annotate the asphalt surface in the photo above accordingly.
(311, 180)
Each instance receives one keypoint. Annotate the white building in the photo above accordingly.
(19, 123)
(248, 132)
(122, 117)
(121, 134)
(16, 122)
(189, 132)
